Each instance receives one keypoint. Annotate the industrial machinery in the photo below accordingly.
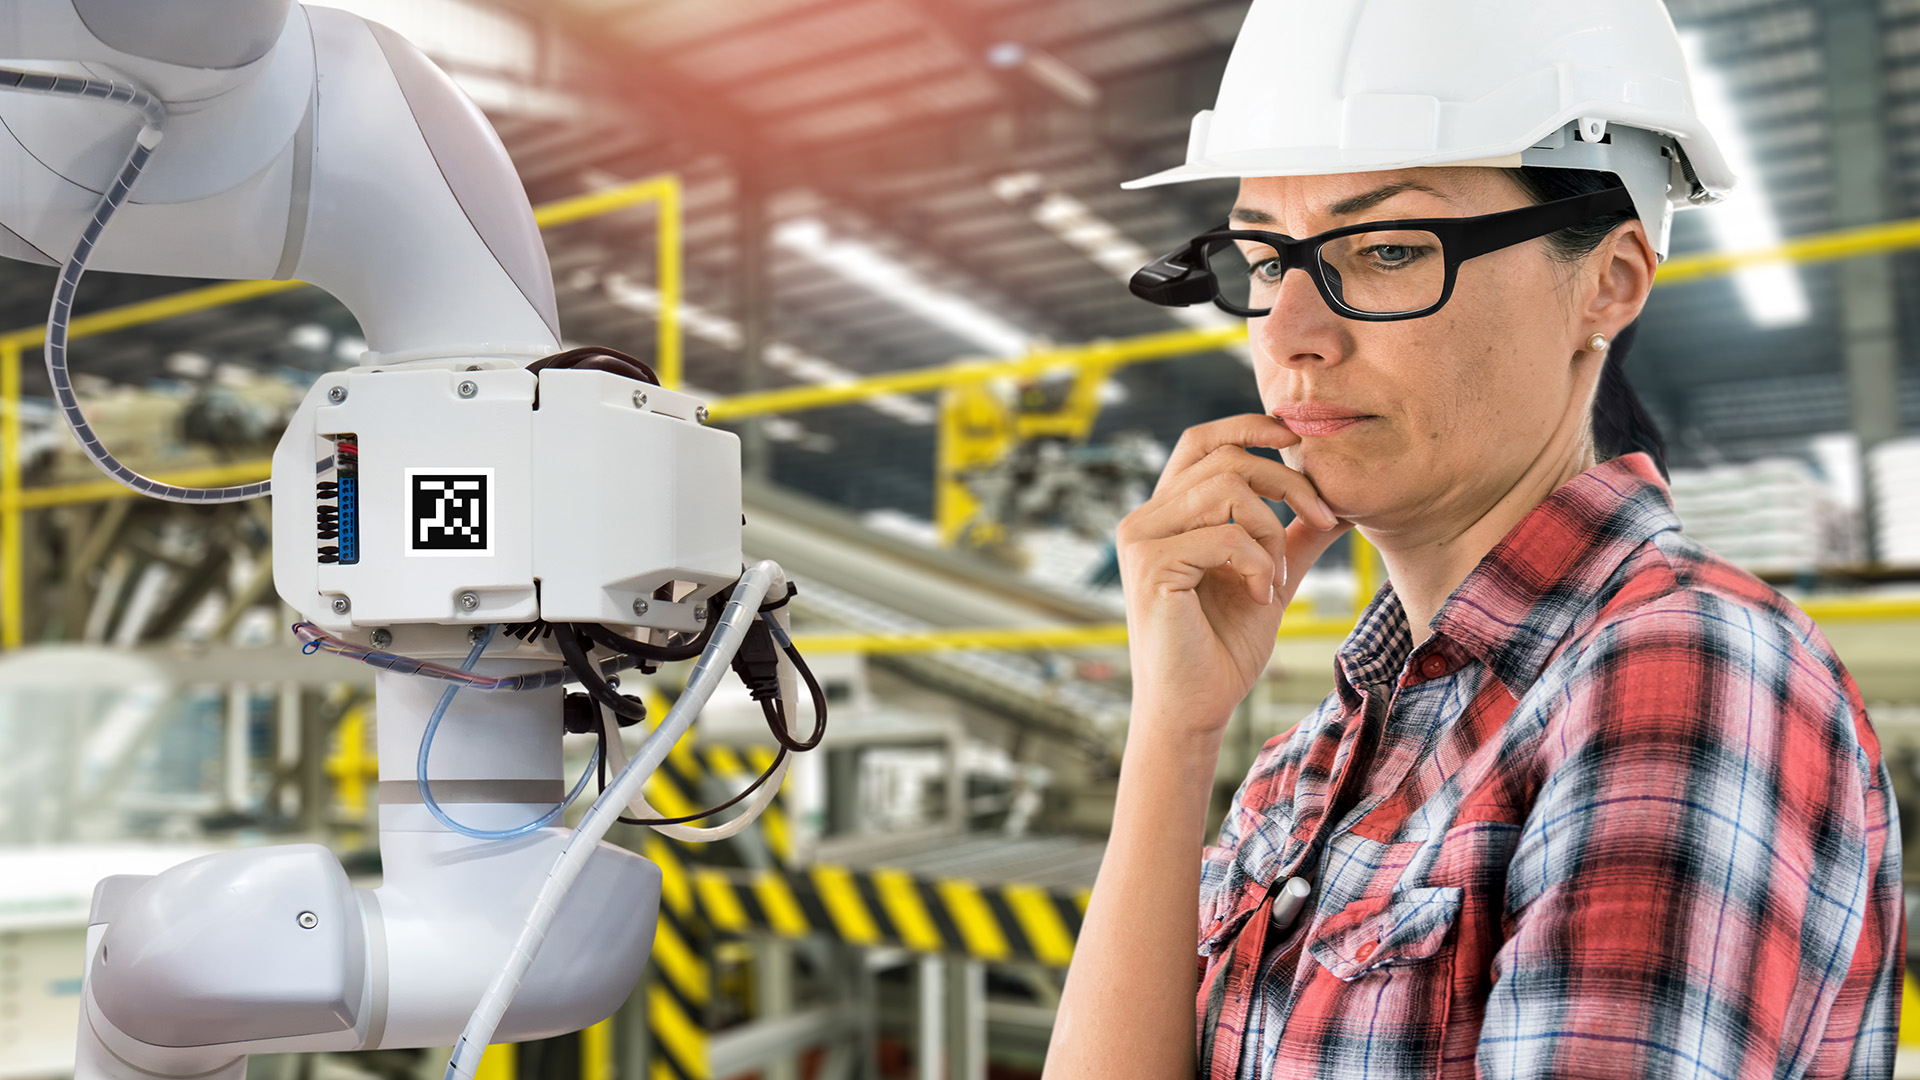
(468, 477)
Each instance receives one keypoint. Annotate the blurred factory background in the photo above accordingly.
(886, 239)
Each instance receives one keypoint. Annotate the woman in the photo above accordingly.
(1587, 800)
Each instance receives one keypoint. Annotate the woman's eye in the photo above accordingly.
(1267, 269)
(1393, 255)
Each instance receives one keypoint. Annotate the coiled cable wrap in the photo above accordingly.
(741, 611)
(153, 114)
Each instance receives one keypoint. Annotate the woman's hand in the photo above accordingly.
(1208, 569)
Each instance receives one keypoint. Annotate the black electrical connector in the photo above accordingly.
(757, 663)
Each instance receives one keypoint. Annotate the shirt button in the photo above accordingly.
(1364, 951)
(1433, 666)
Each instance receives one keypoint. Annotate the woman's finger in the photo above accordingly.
(1263, 476)
(1180, 563)
(1250, 429)
(1211, 500)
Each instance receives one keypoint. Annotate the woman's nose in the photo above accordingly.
(1301, 329)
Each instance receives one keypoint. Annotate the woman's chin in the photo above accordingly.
(1353, 488)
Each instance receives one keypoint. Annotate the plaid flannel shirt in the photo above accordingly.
(1621, 815)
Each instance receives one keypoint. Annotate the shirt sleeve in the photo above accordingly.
(1708, 881)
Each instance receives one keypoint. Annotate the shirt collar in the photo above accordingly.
(1523, 599)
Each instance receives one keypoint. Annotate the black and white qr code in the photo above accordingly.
(450, 512)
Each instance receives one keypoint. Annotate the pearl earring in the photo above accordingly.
(1597, 343)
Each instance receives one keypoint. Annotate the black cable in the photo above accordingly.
(600, 728)
(659, 654)
(783, 733)
(589, 675)
(598, 358)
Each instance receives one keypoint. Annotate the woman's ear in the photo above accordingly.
(1623, 276)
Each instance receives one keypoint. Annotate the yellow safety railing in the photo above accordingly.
(665, 192)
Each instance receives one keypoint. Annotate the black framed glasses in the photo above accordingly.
(1379, 271)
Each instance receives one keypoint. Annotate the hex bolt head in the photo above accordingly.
(469, 601)
(341, 606)
(337, 395)
(468, 388)
(639, 399)
(639, 606)
(700, 414)
(382, 637)
(308, 920)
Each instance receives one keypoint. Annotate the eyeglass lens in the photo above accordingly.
(1379, 273)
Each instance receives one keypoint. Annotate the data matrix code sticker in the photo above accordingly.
(450, 511)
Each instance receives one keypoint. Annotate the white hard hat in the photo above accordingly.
(1337, 86)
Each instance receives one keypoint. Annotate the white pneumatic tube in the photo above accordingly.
(740, 612)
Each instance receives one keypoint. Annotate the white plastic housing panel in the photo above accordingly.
(634, 494)
(244, 945)
(599, 500)
(413, 425)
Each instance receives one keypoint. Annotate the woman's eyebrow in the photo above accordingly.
(1344, 207)
(1377, 196)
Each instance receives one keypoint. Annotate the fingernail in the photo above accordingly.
(1283, 575)
(1270, 594)
(1328, 510)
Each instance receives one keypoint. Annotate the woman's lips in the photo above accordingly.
(1314, 420)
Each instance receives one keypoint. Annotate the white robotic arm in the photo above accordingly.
(298, 142)
(457, 491)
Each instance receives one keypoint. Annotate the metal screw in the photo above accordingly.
(337, 395)
(382, 638)
(639, 606)
(639, 399)
(700, 414)
(613, 681)
(468, 601)
(468, 388)
(340, 605)
(308, 920)
(699, 614)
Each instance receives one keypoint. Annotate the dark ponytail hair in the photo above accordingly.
(1621, 424)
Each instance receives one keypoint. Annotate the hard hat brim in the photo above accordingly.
(1708, 163)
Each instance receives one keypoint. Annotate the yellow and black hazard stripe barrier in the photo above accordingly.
(1010, 922)
(858, 907)
(679, 986)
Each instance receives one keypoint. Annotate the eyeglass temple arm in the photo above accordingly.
(1511, 227)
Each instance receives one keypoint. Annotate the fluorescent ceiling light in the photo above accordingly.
(868, 266)
(781, 356)
(1772, 293)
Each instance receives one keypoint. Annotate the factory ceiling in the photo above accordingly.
(980, 144)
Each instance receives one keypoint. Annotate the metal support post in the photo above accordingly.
(314, 791)
(930, 1048)
(750, 215)
(239, 748)
(286, 751)
(12, 535)
(1869, 321)
(967, 1018)
(773, 997)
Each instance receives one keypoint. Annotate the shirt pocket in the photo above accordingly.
(1401, 928)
